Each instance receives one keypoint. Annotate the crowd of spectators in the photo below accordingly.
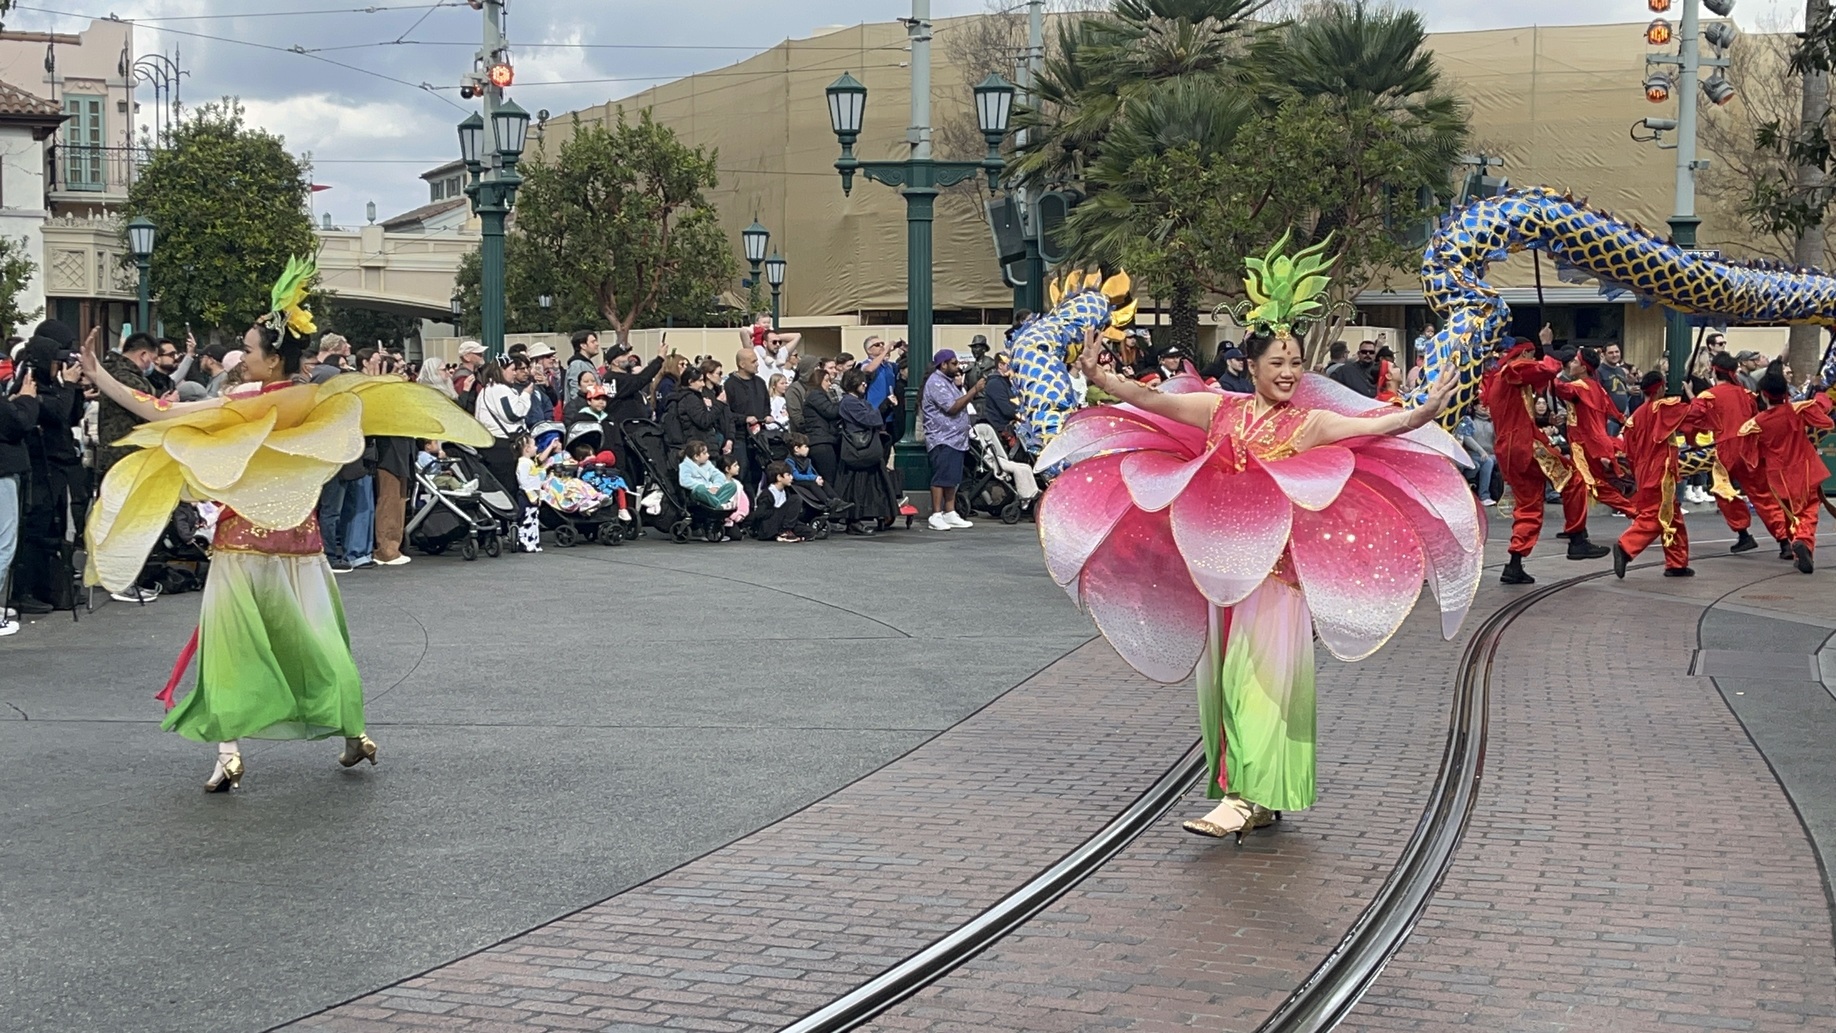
(776, 447)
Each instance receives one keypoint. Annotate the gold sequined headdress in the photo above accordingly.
(288, 302)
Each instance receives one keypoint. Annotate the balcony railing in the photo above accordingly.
(78, 168)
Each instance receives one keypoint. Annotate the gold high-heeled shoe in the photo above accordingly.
(1246, 814)
(358, 750)
(227, 775)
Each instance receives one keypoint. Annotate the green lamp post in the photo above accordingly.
(140, 233)
(920, 178)
(493, 186)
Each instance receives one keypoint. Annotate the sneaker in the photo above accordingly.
(134, 594)
(1488, 503)
(367, 561)
(955, 519)
(8, 627)
(35, 607)
(938, 523)
(397, 561)
(341, 567)
(790, 536)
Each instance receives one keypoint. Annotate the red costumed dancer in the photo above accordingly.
(1650, 437)
(1592, 451)
(1789, 457)
(1528, 461)
(1725, 408)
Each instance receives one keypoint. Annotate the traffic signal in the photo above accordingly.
(1050, 212)
(1658, 6)
(1657, 88)
(502, 75)
(1658, 33)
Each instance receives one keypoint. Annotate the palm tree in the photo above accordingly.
(1104, 63)
(1150, 222)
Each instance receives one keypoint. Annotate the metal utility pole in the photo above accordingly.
(492, 211)
(1688, 63)
(1031, 296)
(1806, 343)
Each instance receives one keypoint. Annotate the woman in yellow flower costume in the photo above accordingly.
(274, 656)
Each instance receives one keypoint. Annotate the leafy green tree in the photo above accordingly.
(363, 327)
(1198, 141)
(617, 228)
(16, 270)
(230, 205)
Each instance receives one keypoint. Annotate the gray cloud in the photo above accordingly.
(370, 137)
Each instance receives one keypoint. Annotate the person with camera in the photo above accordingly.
(18, 419)
(44, 579)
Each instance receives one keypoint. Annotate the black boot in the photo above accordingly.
(1785, 549)
(1564, 534)
(1514, 572)
(1579, 548)
(1620, 558)
(1744, 544)
(1803, 554)
(1679, 572)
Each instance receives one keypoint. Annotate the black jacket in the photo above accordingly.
(699, 418)
(60, 408)
(997, 406)
(627, 401)
(821, 418)
(749, 396)
(18, 419)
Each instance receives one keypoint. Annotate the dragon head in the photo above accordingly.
(1044, 348)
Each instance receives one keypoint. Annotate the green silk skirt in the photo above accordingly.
(274, 655)
(1256, 702)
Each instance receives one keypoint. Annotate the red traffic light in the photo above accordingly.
(502, 75)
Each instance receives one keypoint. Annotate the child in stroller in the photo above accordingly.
(806, 482)
(571, 507)
(708, 489)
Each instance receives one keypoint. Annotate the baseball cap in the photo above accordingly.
(946, 355)
(471, 348)
(1748, 356)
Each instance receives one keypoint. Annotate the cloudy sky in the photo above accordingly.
(371, 129)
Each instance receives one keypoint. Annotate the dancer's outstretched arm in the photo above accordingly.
(142, 405)
(1324, 428)
(1194, 408)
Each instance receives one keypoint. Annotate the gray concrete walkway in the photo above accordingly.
(554, 729)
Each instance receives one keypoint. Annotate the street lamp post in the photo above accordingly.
(458, 311)
(546, 301)
(493, 186)
(755, 237)
(774, 275)
(920, 178)
(141, 232)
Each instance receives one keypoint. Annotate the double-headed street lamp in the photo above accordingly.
(919, 178)
(140, 233)
(774, 275)
(493, 192)
(546, 301)
(755, 238)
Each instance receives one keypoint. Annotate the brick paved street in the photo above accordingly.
(1632, 865)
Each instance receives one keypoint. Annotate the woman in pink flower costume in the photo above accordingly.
(1221, 532)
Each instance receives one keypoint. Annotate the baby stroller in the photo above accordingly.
(570, 528)
(993, 482)
(472, 519)
(662, 502)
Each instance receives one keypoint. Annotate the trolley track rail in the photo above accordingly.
(1335, 986)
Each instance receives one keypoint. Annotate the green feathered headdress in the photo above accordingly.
(287, 309)
(1286, 292)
